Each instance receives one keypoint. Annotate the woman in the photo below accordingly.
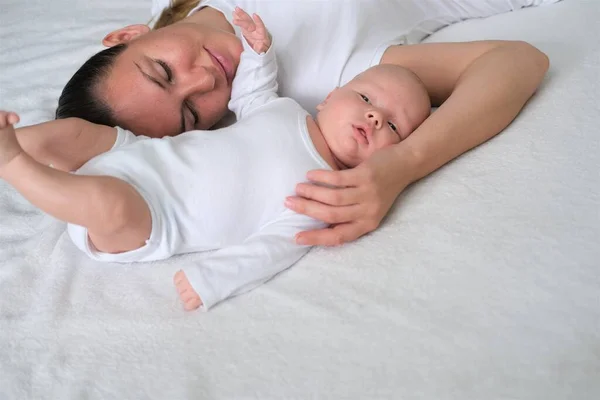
(178, 77)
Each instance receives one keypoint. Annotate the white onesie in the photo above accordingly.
(222, 189)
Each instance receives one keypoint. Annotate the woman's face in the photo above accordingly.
(172, 80)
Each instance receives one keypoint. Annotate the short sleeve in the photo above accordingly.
(125, 137)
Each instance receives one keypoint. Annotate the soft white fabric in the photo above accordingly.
(308, 30)
(481, 284)
(221, 190)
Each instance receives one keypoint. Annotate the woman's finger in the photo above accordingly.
(333, 236)
(328, 195)
(323, 212)
(345, 178)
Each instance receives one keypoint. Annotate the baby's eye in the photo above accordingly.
(393, 127)
(365, 98)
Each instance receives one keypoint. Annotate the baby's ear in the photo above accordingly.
(324, 102)
(125, 34)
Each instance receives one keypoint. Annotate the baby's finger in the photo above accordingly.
(242, 16)
(13, 118)
(8, 118)
(260, 25)
(245, 25)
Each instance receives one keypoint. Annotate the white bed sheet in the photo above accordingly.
(483, 283)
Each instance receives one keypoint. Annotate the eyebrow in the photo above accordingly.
(160, 84)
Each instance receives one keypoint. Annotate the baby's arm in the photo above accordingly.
(255, 82)
(116, 216)
(66, 144)
(237, 269)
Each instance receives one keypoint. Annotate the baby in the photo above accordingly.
(134, 198)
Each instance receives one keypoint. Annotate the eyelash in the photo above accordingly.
(169, 74)
(392, 126)
(167, 70)
(194, 114)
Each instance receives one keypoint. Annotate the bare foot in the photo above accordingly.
(9, 145)
(188, 295)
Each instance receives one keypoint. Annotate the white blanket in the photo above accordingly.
(483, 283)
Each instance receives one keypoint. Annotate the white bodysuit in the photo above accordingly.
(321, 44)
(222, 189)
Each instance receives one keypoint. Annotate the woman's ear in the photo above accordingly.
(324, 102)
(124, 35)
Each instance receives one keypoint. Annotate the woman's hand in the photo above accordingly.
(361, 197)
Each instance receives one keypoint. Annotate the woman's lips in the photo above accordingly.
(225, 64)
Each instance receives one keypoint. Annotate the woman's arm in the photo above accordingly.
(480, 87)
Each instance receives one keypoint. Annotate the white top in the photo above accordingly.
(221, 189)
(321, 44)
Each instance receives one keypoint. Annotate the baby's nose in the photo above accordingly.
(374, 117)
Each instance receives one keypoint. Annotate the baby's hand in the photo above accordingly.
(253, 29)
(9, 145)
(8, 118)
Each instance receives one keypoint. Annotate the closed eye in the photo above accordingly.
(193, 112)
(187, 108)
(168, 71)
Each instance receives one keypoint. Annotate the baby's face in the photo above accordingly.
(380, 107)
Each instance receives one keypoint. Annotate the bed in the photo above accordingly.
(483, 282)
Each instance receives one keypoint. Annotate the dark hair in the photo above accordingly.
(79, 98)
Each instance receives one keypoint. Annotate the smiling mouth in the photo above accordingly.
(218, 64)
(221, 63)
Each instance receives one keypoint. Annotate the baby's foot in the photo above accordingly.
(188, 295)
(9, 145)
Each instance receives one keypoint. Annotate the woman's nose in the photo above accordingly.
(374, 118)
(199, 81)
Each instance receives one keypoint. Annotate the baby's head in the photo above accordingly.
(378, 108)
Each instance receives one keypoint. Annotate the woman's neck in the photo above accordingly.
(316, 135)
(209, 16)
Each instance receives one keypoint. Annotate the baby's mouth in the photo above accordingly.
(360, 134)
